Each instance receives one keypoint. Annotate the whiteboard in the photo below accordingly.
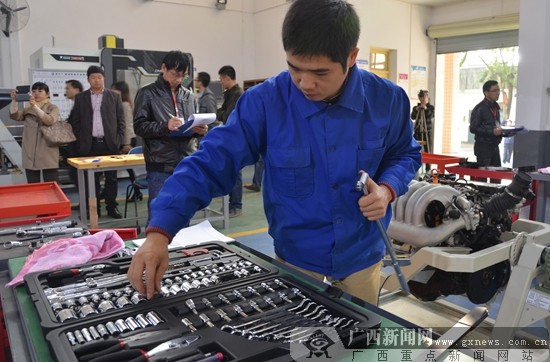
(55, 79)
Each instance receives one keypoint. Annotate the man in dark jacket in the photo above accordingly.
(485, 125)
(230, 97)
(97, 119)
(160, 109)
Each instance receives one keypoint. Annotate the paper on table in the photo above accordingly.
(196, 234)
(194, 121)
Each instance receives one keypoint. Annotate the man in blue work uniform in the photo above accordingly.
(316, 125)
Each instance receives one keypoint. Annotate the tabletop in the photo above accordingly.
(93, 162)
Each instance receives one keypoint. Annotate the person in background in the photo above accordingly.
(232, 92)
(40, 161)
(508, 145)
(160, 108)
(485, 125)
(98, 123)
(72, 88)
(423, 116)
(256, 185)
(317, 125)
(130, 140)
(206, 99)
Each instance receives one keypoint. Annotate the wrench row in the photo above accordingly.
(290, 324)
(279, 317)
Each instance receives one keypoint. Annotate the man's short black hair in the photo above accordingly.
(176, 60)
(488, 85)
(229, 71)
(321, 28)
(204, 78)
(94, 69)
(75, 84)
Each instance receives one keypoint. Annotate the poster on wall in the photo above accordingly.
(403, 81)
(419, 79)
(362, 64)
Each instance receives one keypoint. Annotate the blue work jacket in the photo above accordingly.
(313, 153)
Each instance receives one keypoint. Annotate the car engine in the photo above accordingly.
(457, 214)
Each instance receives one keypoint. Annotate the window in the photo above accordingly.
(379, 62)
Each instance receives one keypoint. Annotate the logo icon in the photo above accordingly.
(318, 344)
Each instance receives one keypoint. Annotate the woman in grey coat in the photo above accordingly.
(37, 156)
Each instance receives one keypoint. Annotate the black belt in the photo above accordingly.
(98, 139)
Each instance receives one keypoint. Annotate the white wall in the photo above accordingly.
(246, 34)
(214, 37)
(389, 24)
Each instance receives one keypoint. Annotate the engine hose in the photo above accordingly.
(512, 195)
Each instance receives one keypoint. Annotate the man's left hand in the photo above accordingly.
(200, 130)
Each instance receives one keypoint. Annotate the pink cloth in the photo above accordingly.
(545, 170)
(66, 253)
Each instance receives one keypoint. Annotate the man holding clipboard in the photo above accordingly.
(161, 108)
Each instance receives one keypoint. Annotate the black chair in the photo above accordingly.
(139, 183)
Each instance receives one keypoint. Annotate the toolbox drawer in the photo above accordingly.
(263, 315)
(240, 332)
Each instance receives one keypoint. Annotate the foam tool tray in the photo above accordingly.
(253, 320)
(68, 296)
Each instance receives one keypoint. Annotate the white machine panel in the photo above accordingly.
(66, 59)
(55, 79)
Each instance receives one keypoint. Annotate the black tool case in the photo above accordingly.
(236, 303)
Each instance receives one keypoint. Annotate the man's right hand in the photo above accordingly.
(151, 258)
(174, 123)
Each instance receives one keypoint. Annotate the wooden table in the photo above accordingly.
(90, 165)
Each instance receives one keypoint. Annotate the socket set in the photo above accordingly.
(252, 321)
(257, 314)
(69, 295)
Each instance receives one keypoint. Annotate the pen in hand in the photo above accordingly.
(175, 127)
